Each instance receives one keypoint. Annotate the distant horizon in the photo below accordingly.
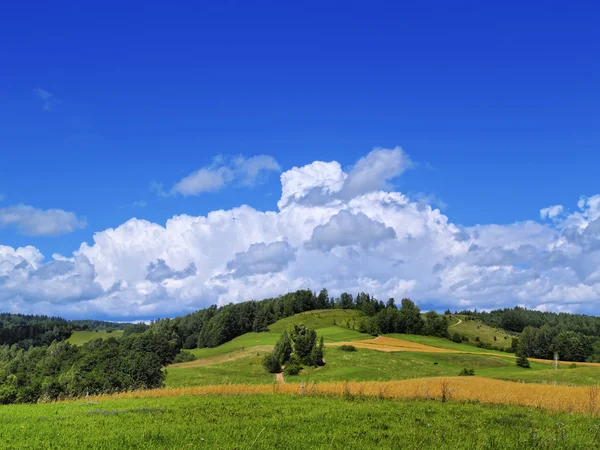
(166, 158)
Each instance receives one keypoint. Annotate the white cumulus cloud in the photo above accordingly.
(241, 171)
(346, 230)
(40, 222)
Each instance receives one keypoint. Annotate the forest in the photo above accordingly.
(62, 370)
(572, 337)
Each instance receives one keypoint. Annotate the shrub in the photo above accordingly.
(522, 361)
(183, 356)
(476, 338)
(457, 338)
(271, 363)
(572, 366)
(292, 367)
(347, 348)
(467, 372)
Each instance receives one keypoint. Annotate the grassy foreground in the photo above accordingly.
(276, 421)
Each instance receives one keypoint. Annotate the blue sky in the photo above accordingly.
(496, 105)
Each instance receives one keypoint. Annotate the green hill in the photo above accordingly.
(322, 318)
(240, 360)
(477, 331)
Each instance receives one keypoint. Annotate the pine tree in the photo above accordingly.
(522, 360)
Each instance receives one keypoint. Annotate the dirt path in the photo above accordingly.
(225, 357)
(457, 323)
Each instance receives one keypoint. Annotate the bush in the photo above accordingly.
(347, 348)
(572, 366)
(457, 338)
(182, 357)
(522, 361)
(292, 367)
(271, 363)
(467, 372)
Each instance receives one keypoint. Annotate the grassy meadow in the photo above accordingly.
(290, 421)
(475, 329)
(322, 318)
(81, 337)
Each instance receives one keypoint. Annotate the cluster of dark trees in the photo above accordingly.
(28, 331)
(517, 318)
(545, 341)
(574, 337)
(62, 370)
(293, 350)
(407, 320)
(32, 331)
(90, 324)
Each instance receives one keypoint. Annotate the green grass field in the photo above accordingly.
(373, 365)
(323, 318)
(247, 370)
(475, 329)
(291, 422)
(81, 337)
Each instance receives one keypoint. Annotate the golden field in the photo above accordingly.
(387, 344)
(573, 399)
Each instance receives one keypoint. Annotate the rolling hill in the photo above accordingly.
(395, 357)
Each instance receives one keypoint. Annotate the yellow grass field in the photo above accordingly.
(547, 396)
(387, 344)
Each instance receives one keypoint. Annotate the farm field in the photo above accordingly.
(290, 421)
(81, 337)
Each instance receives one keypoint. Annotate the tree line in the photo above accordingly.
(213, 326)
(62, 370)
(407, 320)
(32, 331)
(573, 337)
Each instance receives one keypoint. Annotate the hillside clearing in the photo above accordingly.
(322, 318)
(475, 329)
(242, 353)
(81, 337)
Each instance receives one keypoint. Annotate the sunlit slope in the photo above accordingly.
(81, 337)
(477, 331)
(323, 318)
